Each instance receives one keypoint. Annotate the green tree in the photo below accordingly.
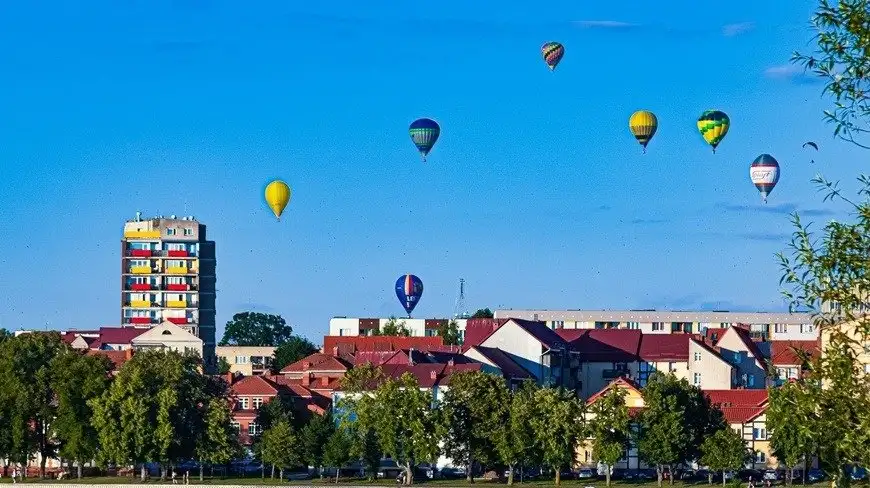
(449, 333)
(5, 335)
(610, 429)
(558, 425)
(223, 366)
(676, 420)
(791, 418)
(724, 451)
(515, 441)
(26, 390)
(337, 451)
(483, 313)
(472, 416)
(277, 447)
(394, 327)
(256, 329)
(291, 351)
(364, 444)
(218, 442)
(76, 380)
(314, 436)
(842, 60)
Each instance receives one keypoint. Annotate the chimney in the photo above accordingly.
(324, 381)
(411, 356)
(433, 374)
(128, 353)
(450, 362)
(305, 365)
(229, 377)
(306, 379)
(335, 351)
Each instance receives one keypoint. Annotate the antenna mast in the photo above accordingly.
(459, 310)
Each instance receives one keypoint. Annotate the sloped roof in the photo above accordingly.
(621, 381)
(541, 333)
(353, 344)
(477, 330)
(120, 335)
(608, 345)
(117, 358)
(737, 398)
(741, 415)
(317, 362)
(746, 338)
(664, 347)
(503, 361)
(784, 353)
(254, 385)
(294, 386)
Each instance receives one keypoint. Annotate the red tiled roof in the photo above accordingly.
(503, 361)
(317, 362)
(618, 381)
(751, 346)
(541, 333)
(713, 334)
(294, 386)
(664, 347)
(70, 336)
(120, 335)
(737, 398)
(741, 415)
(352, 344)
(254, 385)
(783, 353)
(477, 330)
(608, 345)
(372, 357)
(117, 358)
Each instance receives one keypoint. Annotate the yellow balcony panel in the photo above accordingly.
(140, 303)
(142, 234)
(140, 269)
(176, 303)
(176, 270)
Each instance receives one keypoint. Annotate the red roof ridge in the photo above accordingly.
(622, 380)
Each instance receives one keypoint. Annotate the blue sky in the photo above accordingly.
(536, 193)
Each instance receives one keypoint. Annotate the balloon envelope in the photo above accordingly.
(713, 126)
(409, 289)
(424, 134)
(643, 125)
(764, 173)
(552, 52)
(277, 196)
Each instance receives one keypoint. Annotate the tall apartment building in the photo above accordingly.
(763, 325)
(168, 274)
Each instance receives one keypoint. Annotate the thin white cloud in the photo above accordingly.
(732, 30)
(783, 71)
(604, 24)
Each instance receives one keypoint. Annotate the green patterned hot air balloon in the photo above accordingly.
(424, 134)
(713, 125)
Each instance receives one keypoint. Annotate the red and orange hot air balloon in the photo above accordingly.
(552, 52)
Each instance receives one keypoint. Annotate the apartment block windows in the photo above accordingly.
(558, 324)
(697, 356)
(243, 403)
(241, 359)
(633, 325)
(188, 232)
(170, 231)
(780, 328)
(696, 379)
(646, 370)
(658, 326)
(258, 402)
(808, 328)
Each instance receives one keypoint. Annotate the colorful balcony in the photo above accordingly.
(182, 253)
(176, 303)
(139, 253)
(140, 269)
(178, 320)
(177, 287)
(177, 270)
(140, 320)
(140, 303)
(142, 234)
(140, 286)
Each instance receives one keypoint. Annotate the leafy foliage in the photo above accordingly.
(515, 441)
(611, 429)
(337, 451)
(314, 436)
(218, 442)
(558, 425)
(724, 451)
(394, 327)
(278, 445)
(842, 61)
(449, 333)
(473, 411)
(223, 366)
(256, 329)
(792, 418)
(291, 351)
(483, 313)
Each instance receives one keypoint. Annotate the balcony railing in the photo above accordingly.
(177, 303)
(140, 269)
(140, 286)
(178, 320)
(140, 303)
(159, 253)
(180, 287)
(140, 320)
(142, 234)
(177, 270)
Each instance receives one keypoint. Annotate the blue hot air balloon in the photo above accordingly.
(409, 289)
(424, 134)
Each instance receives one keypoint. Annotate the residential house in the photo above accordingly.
(744, 410)
(789, 358)
(170, 337)
(247, 360)
(105, 339)
(634, 401)
(738, 348)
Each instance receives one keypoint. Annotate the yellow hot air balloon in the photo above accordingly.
(277, 196)
(643, 125)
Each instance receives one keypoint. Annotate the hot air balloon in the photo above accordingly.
(812, 145)
(424, 134)
(409, 289)
(764, 173)
(552, 52)
(713, 125)
(643, 125)
(277, 196)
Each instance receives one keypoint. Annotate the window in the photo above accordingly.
(558, 324)
(170, 231)
(620, 366)
(258, 402)
(646, 369)
(672, 367)
(656, 326)
(254, 429)
(188, 232)
(751, 381)
(736, 357)
(759, 433)
(759, 457)
(241, 359)
(808, 328)
(633, 325)
(696, 379)
(780, 328)
(235, 425)
(724, 325)
(697, 356)
(243, 403)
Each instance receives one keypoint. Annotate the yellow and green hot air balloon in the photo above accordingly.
(277, 196)
(713, 125)
(643, 125)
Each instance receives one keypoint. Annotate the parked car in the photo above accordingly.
(585, 474)
(566, 474)
(452, 473)
(815, 475)
(771, 475)
(858, 473)
(647, 474)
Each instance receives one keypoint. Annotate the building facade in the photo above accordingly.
(168, 274)
(344, 326)
(247, 360)
(762, 325)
